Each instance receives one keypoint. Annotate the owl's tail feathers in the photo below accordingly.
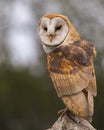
(80, 104)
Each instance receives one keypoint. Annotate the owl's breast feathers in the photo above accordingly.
(71, 68)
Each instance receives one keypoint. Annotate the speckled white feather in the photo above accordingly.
(51, 26)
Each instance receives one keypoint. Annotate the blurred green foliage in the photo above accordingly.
(25, 100)
(30, 103)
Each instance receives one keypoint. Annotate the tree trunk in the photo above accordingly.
(67, 123)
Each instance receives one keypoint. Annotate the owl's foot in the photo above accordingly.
(65, 111)
(62, 112)
(76, 119)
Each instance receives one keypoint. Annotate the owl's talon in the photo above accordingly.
(76, 119)
(62, 112)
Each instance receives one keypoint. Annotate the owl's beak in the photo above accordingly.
(51, 36)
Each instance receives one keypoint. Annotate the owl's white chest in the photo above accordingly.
(48, 49)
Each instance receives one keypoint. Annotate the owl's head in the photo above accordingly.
(56, 29)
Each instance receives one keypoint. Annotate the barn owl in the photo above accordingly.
(70, 64)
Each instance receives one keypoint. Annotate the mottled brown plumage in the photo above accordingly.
(70, 64)
(72, 72)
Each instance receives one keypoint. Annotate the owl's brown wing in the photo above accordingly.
(71, 70)
(69, 84)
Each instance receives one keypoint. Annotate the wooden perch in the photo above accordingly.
(67, 123)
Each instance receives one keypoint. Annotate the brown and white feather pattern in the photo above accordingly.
(72, 72)
(70, 64)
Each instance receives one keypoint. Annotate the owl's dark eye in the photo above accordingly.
(58, 27)
(45, 28)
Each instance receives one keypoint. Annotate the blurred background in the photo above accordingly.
(28, 100)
